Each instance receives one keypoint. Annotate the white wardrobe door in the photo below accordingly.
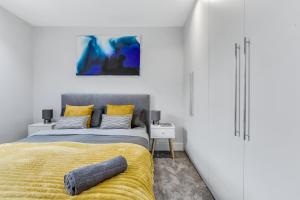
(272, 161)
(226, 163)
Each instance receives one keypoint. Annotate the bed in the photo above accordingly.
(33, 168)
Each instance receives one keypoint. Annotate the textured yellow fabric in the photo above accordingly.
(119, 109)
(36, 171)
(72, 111)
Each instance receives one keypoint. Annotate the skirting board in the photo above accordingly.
(164, 146)
(199, 172)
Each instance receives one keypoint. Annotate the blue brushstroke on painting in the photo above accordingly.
(132, 54)
(95, 69)
(116, 56)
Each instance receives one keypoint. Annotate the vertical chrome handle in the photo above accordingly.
(249, 84)
(246, 118)
(237, 91)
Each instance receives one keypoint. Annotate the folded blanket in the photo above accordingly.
(83, 178)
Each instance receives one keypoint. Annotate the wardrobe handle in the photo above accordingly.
(249, 84)
(237, 91)
(246, 118)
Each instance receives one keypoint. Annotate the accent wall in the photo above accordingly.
(161, 70)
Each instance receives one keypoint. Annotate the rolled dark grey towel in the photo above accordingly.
(81, 179)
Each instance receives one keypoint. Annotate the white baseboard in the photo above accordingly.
(164, 146)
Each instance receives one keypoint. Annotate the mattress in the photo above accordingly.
(94, 135)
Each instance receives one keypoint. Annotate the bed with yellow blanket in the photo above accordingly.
(36, 170)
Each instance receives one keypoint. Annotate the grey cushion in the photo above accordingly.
(96, 116)
(116, 121)
(138, 119)
(72, 122)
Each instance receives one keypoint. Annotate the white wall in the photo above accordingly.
(15, 77)
(161, 70)
(196, 60)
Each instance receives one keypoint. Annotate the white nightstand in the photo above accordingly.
(33, 128)
(163, 132)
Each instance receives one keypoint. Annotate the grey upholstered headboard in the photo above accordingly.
(141, 101)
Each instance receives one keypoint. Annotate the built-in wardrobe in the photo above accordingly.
(254, 100)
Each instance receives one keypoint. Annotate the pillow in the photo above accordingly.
(73, 111)
(72, 122)
(96, 116)
(119, 109)
(138, 119)
(116, 121)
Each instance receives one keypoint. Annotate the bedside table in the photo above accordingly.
(33, 128)
(163, 132)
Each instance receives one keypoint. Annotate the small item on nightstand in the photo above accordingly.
(155, 116)
(47, 115)
(166, 124)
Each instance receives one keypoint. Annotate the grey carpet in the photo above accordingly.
(178, 179)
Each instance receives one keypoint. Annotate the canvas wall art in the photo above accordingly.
(104, 55)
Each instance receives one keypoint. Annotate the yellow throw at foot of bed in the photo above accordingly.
(36, 171)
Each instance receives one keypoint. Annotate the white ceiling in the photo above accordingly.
(110, 13)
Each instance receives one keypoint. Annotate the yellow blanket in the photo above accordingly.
(36, 171)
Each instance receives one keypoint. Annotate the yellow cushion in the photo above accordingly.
(72, 111)
(119, 109)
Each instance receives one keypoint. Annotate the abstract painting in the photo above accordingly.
(104, 55)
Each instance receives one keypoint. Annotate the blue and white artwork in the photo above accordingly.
(104, 55)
